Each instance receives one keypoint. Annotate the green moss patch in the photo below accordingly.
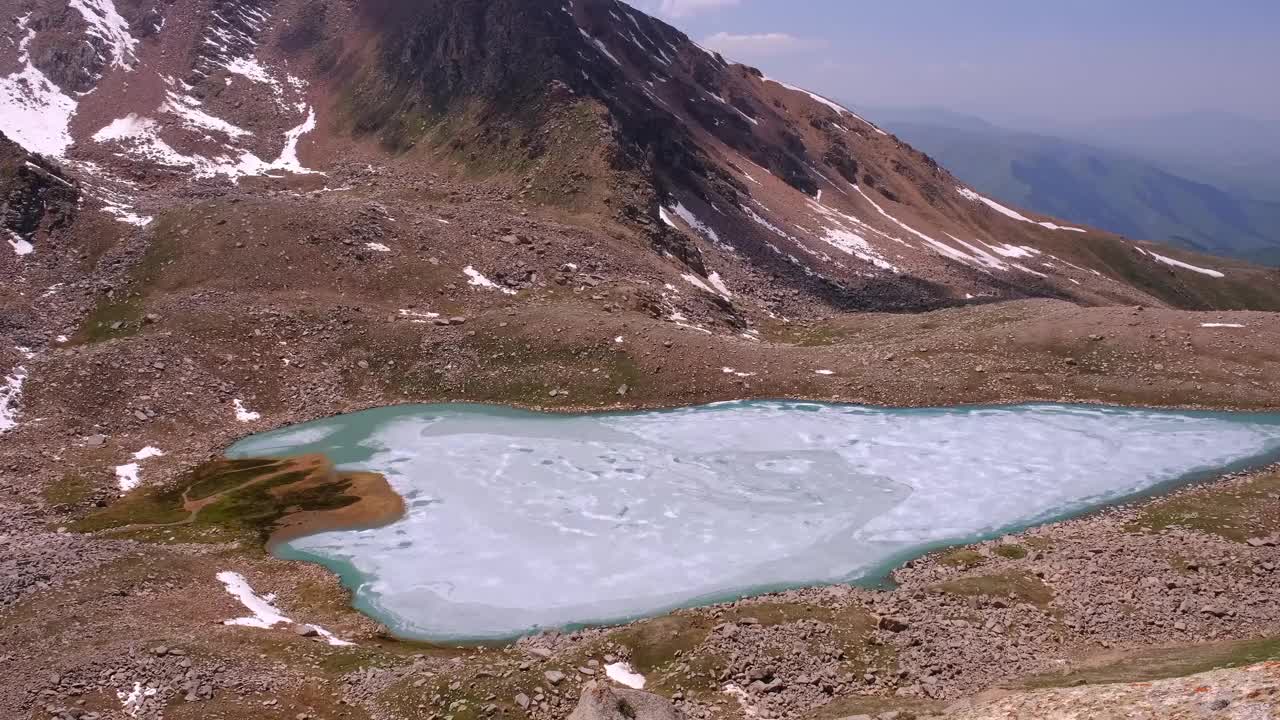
(1163, 663)
(1015, 586)
(1235, 511)
(225, 500)
(962, 558)
(1013, 552)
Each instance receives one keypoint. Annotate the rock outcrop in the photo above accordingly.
(603, 702)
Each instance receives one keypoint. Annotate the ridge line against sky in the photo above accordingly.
(1053, 64)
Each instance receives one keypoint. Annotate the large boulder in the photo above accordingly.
(603, 702)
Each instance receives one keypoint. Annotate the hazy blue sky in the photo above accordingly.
(1068, 62)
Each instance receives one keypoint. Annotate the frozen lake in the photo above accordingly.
(519, 520)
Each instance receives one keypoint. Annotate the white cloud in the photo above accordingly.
(685, 8)
(759, 45)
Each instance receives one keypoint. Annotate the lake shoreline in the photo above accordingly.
(870, 578)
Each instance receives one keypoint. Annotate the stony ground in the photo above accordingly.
(287, 314)
(1163, 589)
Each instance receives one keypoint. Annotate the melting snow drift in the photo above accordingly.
(265, 615)
(517, 520)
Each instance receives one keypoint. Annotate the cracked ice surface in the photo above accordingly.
(517, 520)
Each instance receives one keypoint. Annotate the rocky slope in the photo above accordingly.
(761, 192)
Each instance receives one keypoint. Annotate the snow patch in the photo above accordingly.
(718, 284)
(823, 372)
(244, 414)
(479, 280)
(265, 614)
(418, 317)
(1221, 325)
(378, 247)
(623, 674)
(21, 246)
(10, 392)
(187, 108)
(107, 24)
(600, 46)
(1179, 264)
(1009, 212)
(33, 112)
(127, 476)
(132, 700)
(833, 105)
(698, 226)
(839, 232)
(148, 452)
(141, 138)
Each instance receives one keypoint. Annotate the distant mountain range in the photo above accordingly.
(1215, 197)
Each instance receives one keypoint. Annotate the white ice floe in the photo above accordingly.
(1221, 325)
(244, 414)
(133, 699)
(623, 674)
(21, 246)
(481, 281)
(377, 247)
(265, 614)
(1179, 264)
(767, 494)
(1010, 212)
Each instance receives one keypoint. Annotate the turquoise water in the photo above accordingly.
(518, 521)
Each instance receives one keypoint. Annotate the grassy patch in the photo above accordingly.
(111, 318)
(807, 336)
(71, 489)
(1235, 512)
(962, 558)
(1016, 586)
(1013, 552)
(213, 478)
(230, 499)
(656, 643)
(144, 506)
(1163, 663)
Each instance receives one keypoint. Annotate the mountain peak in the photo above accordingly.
(591, 109)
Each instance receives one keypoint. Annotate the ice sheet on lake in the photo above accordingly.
(519, 520)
